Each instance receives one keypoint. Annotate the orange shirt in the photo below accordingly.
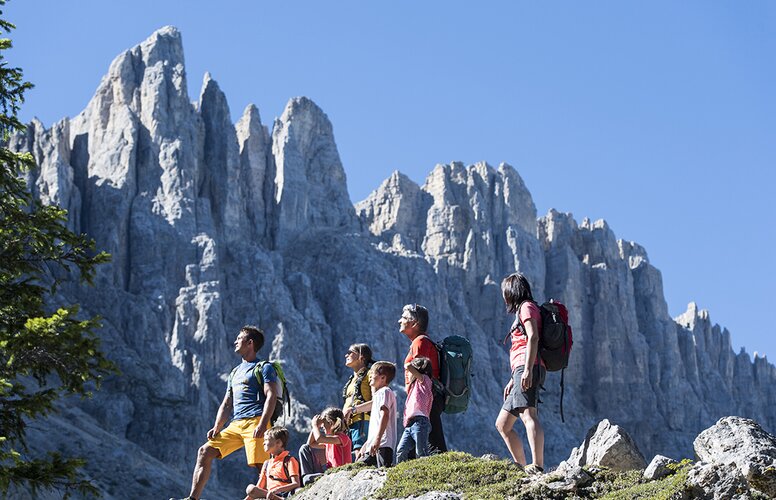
(422, 346)
(273, 468)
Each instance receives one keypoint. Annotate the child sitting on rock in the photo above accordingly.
(333, 441)
(381, 438)
(417, 409)
(280, 474)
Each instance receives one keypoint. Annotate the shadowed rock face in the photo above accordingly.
(212, 226)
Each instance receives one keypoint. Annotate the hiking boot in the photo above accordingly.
(533, 469)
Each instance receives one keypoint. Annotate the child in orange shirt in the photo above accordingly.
(280, 474)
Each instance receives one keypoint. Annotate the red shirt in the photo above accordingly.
(422, 346)
(528, 310)
(339, 454)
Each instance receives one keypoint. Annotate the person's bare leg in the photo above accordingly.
(535, 433)
(205, 456)
(505, 424)
(254, 491)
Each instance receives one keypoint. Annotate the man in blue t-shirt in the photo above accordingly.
(250, 403)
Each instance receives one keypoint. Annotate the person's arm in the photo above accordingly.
(329, 439)
(315, 434)
(416, 375)
(363, 407)
(414, 353)
(271, 392)
(293, 475)
(263, 476)
(294, 484)
(532, 349)
(222, 416)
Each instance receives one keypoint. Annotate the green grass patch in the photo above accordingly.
(454, 472)
(352, 467)
(477, 478)
(631, 485)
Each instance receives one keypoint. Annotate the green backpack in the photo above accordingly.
(455, 372)
(285, 397)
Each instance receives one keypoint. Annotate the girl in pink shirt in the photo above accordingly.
(417, 409)
(334, 441)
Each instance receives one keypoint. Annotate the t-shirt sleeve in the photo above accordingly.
(268, 373)
(378, 398)
(529, 311)
(390, 400)
(263, 477)
(293, 467)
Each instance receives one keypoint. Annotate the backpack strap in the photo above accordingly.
(519, 327)
(360, 381)
(286, 459)
(257, 373)
(287, 479)
(426, 337)
(345, 387)
(561, 395)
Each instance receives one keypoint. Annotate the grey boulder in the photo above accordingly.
(738, 446)
(606, 445)
(658, 467)
(345, 485)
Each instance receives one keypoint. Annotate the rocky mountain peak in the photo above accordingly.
(310, 183)
(394, 208)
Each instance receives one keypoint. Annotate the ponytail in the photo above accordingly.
(336, 418)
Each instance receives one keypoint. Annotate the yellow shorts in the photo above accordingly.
(239, 433)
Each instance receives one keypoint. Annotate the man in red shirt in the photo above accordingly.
(413, 324)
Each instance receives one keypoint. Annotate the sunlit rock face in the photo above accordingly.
(213, 225)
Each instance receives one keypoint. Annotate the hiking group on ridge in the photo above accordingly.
(436, 380)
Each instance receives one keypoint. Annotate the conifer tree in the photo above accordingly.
(47, 349)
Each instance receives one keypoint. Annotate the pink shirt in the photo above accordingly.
(339, 454)
(528, 310)
(419, 399)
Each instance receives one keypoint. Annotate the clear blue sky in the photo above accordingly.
(659, 116)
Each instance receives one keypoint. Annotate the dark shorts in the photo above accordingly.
(518, 399)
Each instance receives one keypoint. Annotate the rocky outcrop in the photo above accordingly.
(601, 467)
(346, 485)
(659, 468)
(213, 225)
(606, 445)
(739, 452)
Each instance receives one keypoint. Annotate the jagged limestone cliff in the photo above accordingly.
(213, 225)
